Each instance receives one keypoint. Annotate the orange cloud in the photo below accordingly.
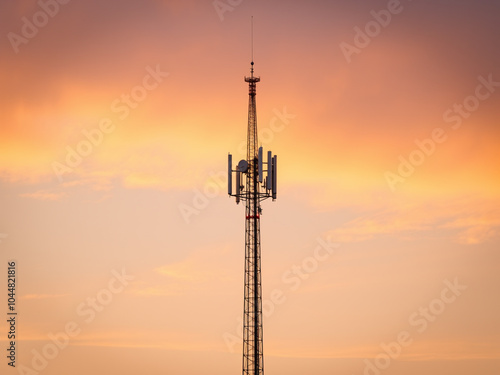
(476, 222)
(44, 195)
(199, 271)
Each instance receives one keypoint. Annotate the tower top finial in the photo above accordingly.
(252, 80)
(251, 31)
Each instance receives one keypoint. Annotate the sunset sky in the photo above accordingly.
(116, 118)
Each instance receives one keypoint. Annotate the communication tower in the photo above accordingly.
(256, 180)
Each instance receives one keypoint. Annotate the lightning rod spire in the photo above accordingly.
(252, 37)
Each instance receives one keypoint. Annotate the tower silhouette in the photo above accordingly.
(252, 187)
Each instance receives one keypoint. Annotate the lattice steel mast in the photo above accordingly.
(255, 189)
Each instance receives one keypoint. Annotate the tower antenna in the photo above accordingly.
(252, 37)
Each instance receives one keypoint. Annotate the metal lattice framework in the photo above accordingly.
(253, 356)
(253, 191)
